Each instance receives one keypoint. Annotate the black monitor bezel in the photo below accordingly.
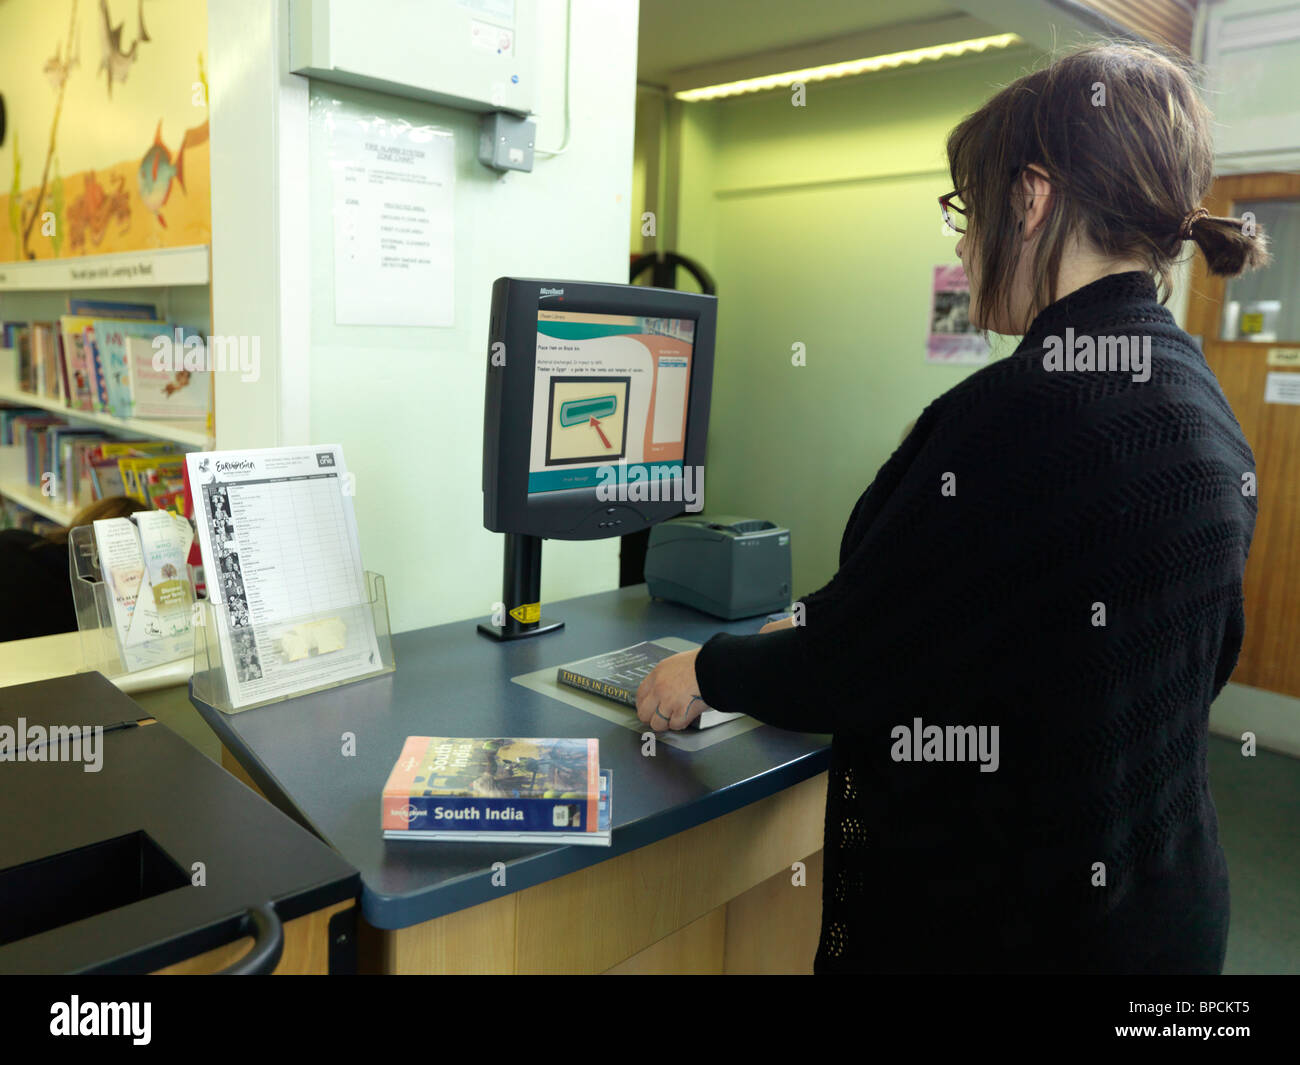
(508, 404)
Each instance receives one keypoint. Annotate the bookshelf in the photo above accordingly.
(192, 433)
(155, 268)
(176, 280)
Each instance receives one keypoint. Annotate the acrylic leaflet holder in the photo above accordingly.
(289, 657)
(141, 632)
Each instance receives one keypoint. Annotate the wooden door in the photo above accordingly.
(1270, 655)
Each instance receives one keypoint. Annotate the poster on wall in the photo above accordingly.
(951, 337)
(394, 221)
(105, 147)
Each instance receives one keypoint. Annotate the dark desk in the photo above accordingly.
(452, 681)
(83, 877)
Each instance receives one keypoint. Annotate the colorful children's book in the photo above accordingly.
(171, 380)
(78, 360)
(45, 356)
(498, 790)
(137, 470)
(110, 338)
(102, 463)
(111, 308)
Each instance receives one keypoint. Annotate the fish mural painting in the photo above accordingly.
(157, 170)
(115, 143)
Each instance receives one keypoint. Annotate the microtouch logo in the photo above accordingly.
(551, 292)
(102, 1018)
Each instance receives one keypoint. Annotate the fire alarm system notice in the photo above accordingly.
(394, 223)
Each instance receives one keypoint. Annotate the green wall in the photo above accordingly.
(821, 226)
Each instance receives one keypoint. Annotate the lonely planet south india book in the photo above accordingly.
(498, 789)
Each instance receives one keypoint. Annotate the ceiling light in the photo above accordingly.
(850, 67)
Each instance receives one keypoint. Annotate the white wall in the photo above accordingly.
(407, 403)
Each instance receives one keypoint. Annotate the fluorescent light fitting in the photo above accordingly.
(850, 67)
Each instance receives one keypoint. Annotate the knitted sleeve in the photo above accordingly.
(1032, 497)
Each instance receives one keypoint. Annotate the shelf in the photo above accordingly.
(25, 495)
(191, 433)
(155, 268)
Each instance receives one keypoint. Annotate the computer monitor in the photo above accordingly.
(597, 406)
(596, 410)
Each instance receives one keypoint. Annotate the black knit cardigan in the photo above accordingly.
(1058, 553)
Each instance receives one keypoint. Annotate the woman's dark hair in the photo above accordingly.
(1124, 138)
(109, 507)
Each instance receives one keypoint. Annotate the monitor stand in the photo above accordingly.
(521, 592)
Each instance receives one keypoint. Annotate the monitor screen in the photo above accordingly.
(609, 391)
(596, 408)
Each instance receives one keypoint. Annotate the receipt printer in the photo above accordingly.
(726, 566)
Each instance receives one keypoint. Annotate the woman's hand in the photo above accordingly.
(669, 698)
(780, 623)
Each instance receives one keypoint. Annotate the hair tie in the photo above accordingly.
(1185, 230)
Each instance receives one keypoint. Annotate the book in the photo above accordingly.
(162, 391)
(478, 789)
(21, 342)
(616, 675)
(137, 471)
(102, 463)
(111, 308)
(110, 340)
(75, 340)
(45, 359)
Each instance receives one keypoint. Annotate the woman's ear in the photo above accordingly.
(1036, 198)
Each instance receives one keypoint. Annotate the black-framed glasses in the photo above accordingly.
(953, 211)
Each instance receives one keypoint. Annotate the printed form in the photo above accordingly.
(284, 574)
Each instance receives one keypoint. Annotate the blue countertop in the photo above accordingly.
(452, 681)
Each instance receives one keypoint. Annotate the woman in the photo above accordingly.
(1041, 592)
(35, 582)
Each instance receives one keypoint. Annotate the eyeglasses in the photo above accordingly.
(952, 210)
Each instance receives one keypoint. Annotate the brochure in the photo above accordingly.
(285, 579)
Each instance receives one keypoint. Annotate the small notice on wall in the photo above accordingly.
(1282, 388)
(394, 223)
(952, 338)
(1284, 357)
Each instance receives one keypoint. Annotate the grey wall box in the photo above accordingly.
(505, 141)
(479, 57)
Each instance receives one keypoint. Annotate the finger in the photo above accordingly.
(645, 699)
(661, 718)
(694, 707)
(684, 713)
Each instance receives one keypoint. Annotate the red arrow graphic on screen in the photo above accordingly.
(596, 425)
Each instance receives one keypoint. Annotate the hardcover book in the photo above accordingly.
(616, 675)
(108, 352)
(162, 390)
(498, 789)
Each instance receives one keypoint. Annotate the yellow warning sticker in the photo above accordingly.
(527, 613)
